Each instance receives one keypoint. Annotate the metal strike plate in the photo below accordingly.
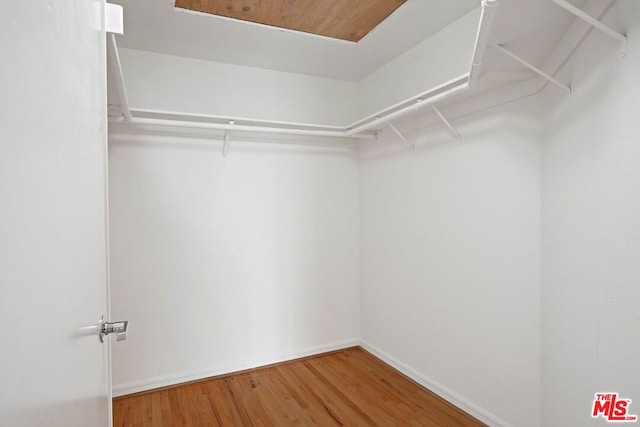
(119, 328)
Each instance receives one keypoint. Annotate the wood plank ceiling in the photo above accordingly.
(341, 19)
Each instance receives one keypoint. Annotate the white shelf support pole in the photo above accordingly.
(533, 68)
(446, 122)
(594, 22)
(227, 140)
(401, 136)
(116, 69)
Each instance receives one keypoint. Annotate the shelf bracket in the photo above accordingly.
(401, 136)
(533, 68)
(595, 23)
(227, 140)
(446, 122)
(113, 60)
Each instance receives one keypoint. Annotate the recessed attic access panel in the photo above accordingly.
(340, 19)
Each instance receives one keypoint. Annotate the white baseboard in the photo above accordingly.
(451, 397)
(169, 380)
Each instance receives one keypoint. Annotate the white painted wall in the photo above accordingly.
(443, 56)
(591, 230)
(450, 264)
(223, 264)
(164, 82)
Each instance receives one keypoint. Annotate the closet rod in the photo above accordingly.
(208, 118)
(247, 128)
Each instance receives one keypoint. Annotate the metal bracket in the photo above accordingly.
(446, 122)
(401, 136)
(227, 140)
(533, 68)
(594, 22)
(113, 59)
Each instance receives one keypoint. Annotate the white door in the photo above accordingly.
(53, 268)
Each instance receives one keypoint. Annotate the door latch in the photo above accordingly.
(119, 328)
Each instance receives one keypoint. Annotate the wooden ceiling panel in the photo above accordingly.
(341, 19)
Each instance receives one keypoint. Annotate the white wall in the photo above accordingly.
(591, 231)
(222, 264)
(450, 264)
(438, 59)
(165, 82)
(501, 270)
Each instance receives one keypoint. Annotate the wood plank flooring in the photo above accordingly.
(345, 388)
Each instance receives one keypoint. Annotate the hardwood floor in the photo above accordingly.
(349, 387)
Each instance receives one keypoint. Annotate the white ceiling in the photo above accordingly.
(155, 25)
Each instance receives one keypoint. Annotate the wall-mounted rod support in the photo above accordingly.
(533, 68)
(401, 136)
(113, 59)
(482, 38)
(227, 140)
(594, 22)
(446, 122)
(113, 18)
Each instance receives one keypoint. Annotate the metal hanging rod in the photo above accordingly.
(208, 118)
(246, 128)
